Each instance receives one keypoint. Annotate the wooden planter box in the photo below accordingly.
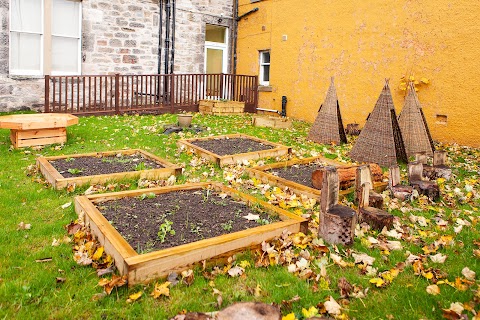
(261, 173)
(277, 150)
(142, 268)
(58, 181)
(220, 108)
(272, 122)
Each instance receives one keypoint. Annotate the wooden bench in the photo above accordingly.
(37, 129)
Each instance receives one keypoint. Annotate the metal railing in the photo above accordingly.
(159, 93)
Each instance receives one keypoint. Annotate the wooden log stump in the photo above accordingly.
(374, 217)
(439, 168)
(347, 175)
(399, 191)
(337, 222)
(363, 175)
(424, 187)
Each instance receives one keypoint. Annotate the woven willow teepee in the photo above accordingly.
(381, 140)
(412, 123)
(328, 126)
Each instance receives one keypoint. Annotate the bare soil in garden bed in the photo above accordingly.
(89, 166)
(153, 222)
(299, 173)
(230, 146)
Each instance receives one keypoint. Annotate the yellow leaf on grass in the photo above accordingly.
(161, 290)
(290, 316)
(311, 312)
(134, 297)
(377, 281)
(244, 264)
(427, 275)
(98, 254)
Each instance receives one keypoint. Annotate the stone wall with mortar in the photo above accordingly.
(121, 36)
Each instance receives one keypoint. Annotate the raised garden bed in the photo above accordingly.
(272, 122)
(174, 204)
(297, 175)
(100, 167)
(219, 107)
(228, 149)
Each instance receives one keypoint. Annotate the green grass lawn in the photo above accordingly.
(41, 280)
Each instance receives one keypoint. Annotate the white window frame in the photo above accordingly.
(218, 46)
(46, 43)
(79, 38)
(262, 64)
(25, 72)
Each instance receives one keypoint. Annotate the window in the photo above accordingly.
(45, 37)
(264, 68)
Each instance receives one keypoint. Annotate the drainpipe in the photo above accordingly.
(235, 31)
(172, 56)
(167, 35)
(247, 13)
(160, 34)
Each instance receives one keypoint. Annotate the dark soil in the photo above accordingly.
(194, 215)
(89, 166)
(224, 147)
(299, 173)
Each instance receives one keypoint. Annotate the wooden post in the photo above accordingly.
(425, 187)
(117, 93)
(439, 157)
(337, 222)
(172, 93)
(374, 217)
(421, 157)
(415, 171)
(47, 94)
(255, 94)
(364, 176)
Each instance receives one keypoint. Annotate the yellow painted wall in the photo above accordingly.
(361, 43)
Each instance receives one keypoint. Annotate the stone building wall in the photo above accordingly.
(121, 36)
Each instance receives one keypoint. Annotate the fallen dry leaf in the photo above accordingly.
(252, 217)
(333, 307)
(236, 271)
(438, 258)
(363, 258)
(433, 289)
(161, 290)
(468, 274)
(24, 226)
(134, 297)
(188, 277)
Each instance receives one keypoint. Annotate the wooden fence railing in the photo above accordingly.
(173, 93)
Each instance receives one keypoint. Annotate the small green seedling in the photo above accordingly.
(164, 230)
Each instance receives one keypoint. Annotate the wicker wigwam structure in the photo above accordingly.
(328, 126)
(414, 128)
(381, 140)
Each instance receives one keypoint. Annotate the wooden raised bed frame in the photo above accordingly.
(58, 181)
(277, 150)
(142, 268)
(260, 172)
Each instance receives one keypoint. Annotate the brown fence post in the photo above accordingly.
(47, 94)
(255, 95)
(172, 93)
(117, 93)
